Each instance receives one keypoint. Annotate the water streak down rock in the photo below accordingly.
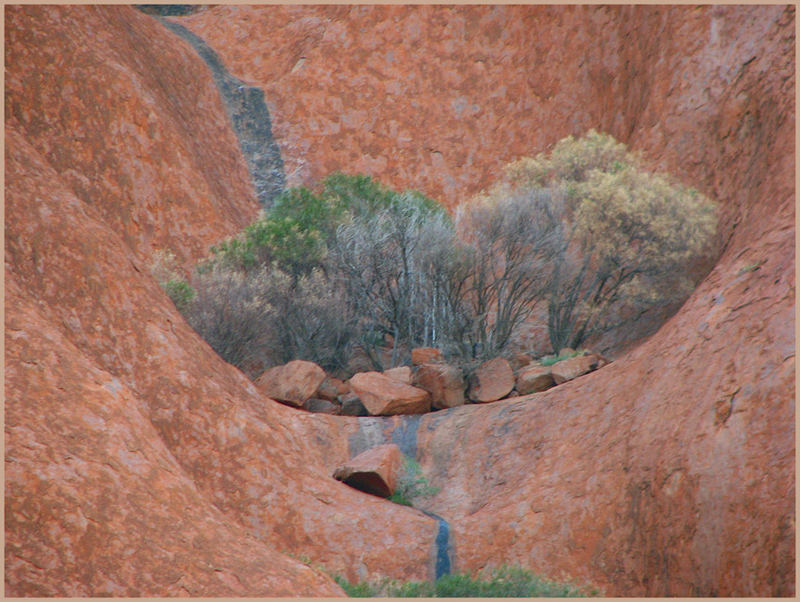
(251, 121)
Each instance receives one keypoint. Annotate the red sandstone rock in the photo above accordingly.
(533, 379)
(292, 383)
(401, 374)
(493, 380)
(445, 383)
(374, 471)
(383, 396)
(426, 355)
(130, 446)
(573, 368)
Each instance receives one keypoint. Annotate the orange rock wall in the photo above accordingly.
(439, 98)
(670, 472)
(139, 463)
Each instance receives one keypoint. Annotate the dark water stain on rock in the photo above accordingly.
(250, 118)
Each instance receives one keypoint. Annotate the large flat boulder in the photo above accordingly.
(374, 471)
(383, 396)
(293, 383)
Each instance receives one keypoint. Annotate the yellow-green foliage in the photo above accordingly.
(628, 234)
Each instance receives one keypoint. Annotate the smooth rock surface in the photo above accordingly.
(573, 367)
(140, 464)
(401, 374)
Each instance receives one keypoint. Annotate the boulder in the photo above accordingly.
(351, 405)
(401, 374)
(331, 388)
(444, 382)
(573, 368)
(519, 360)
(292, 383)
(534, 378)
(493, 380)
(426, 355)
(322, 406)
(383, 396)
(374, 471)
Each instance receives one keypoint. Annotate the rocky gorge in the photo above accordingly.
(138, 463)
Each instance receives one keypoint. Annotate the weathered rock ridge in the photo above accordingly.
(139, 463)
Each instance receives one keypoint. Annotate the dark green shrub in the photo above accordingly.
(180, 292)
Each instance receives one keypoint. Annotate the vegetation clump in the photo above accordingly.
(411, 484)
(504, 582)
(583, 234)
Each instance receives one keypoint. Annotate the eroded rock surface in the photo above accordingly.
(131, 447)
(138, 463)
(492, 380)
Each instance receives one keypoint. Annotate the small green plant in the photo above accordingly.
(411, 484)
(751, 267)
(503, 582)
(180, 292)
(549, 360)
(166, 272)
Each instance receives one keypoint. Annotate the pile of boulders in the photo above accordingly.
(430, 384)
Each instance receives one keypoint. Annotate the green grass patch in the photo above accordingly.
(505, 582)
(411, 484)
(549, 360)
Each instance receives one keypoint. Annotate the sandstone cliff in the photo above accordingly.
(138, 463)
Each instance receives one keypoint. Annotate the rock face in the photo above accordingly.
(425, 355)
(140, 464)
(294, 382)
(374, 471)
(137, 462)
(249, 118)
(384, 396)
(493, 380)
(331, 388)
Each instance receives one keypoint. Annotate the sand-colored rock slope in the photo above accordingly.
(139, 463)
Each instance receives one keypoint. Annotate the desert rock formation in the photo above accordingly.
(131, 447)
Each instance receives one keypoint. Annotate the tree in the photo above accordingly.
(514, 236)
(627, 236)
(383, 256)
